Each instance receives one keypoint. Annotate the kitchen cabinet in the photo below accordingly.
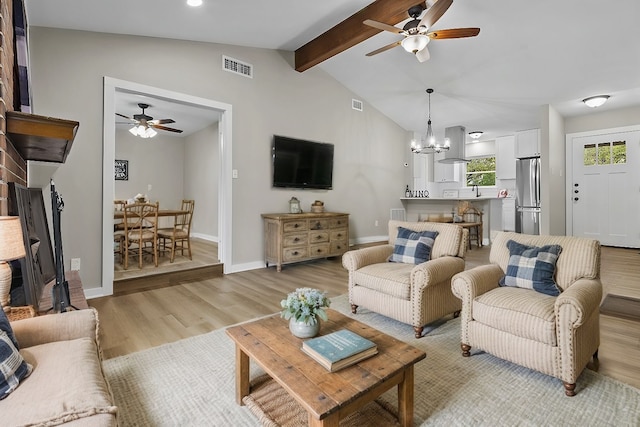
(445, 172)
(509, 214)
(420, 171)
(506, 157)
(528, 143)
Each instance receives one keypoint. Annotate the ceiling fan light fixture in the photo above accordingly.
(595, 101)
(475, 134)
(415, 43)
(194, 3)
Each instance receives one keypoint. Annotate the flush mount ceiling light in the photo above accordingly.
(194, 3)
(475, 134)
(595, 101)
(430, 144)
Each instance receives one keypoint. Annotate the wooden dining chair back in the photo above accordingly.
(180, 235)
(141, 231)
(472, 220)
(118, 230)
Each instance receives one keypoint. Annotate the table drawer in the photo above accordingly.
(339, 235)
(318, 224)
(293, 254)
(299, 239)
(338, 222)
(318, 237)
(319, 250)
(339, 247)
(295, 225)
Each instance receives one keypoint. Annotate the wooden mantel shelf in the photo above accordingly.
(40, 138)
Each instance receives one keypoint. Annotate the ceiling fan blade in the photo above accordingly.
(382, 49)
(162, 121)
(434, 13)
(384, 27)
(423, 55)
(122, 115)
(454, 33)
(166, 128)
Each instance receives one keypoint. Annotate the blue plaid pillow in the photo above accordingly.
(6, 326)
(413, 247)
(532, 267)
(13, 368)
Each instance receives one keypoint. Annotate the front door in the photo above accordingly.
(605, 191)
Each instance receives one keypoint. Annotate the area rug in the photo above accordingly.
(191, 382)
(621, 306)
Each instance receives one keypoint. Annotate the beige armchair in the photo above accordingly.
(555, 335)
(410, 293)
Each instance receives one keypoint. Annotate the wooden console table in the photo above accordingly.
(292, 238)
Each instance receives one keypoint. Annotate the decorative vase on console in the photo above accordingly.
(304, 308)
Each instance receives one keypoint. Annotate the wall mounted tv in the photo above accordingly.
(302, 164)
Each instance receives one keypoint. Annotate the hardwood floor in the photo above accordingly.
(139, 320)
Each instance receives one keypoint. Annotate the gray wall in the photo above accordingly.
(158, 162)
(67, 70)
(201, 167)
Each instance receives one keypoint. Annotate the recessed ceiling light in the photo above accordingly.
(194, 3)
(595, 101)
(475, 134)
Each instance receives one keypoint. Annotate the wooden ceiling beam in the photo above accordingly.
(352, 31)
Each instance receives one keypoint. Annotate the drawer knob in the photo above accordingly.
(296, 239)
(339, 234)
(318, 237)
(295, 252)
(319, 250)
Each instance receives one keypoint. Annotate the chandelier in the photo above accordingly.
(429, 143)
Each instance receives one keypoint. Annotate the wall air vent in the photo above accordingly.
(356, 104)
(237, 67)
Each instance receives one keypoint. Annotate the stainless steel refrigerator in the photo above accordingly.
(528, 196)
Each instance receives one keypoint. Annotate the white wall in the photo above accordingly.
(201, 167)
(67, 72)
(158, 162)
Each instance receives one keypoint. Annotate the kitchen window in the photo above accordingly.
(481, 171)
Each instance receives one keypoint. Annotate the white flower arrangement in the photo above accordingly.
(305, 305)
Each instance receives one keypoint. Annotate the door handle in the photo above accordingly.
(575, 199)
(576, 191)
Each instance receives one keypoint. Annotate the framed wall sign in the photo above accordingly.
(450, 194)
(122, 170)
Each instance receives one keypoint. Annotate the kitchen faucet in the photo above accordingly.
(476, 189)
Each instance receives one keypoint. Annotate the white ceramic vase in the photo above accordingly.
(303, 330)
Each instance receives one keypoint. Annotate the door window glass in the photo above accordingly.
(605, 153)
(590, 155)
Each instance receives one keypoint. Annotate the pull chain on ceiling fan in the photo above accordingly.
(416, 32)
(144, 125)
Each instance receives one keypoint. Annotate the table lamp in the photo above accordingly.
(11, 247)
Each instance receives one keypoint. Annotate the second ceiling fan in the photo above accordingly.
(144, 124)
(416, 32)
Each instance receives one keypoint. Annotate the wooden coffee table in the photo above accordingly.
(326, 396)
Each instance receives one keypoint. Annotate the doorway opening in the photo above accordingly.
(113, 87)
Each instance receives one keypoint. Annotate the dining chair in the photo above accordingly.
(141, 228)
(118, 230)
(180, 234)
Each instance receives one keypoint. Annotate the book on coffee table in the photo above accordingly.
(339, 349)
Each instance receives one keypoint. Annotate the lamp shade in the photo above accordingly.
(11, 242)
(415, 43)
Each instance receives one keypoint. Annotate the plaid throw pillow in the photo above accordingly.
(532, 267)
(6, 326)
(413, 247)
(13, 368)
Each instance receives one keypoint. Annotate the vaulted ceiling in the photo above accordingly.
(527, 54)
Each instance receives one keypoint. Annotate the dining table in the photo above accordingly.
(161, 213)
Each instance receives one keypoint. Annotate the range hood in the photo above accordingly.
(455, 154)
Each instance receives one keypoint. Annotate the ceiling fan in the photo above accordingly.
(144, 123)
(416, 32)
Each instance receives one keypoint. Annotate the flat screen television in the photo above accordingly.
(298, 163)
